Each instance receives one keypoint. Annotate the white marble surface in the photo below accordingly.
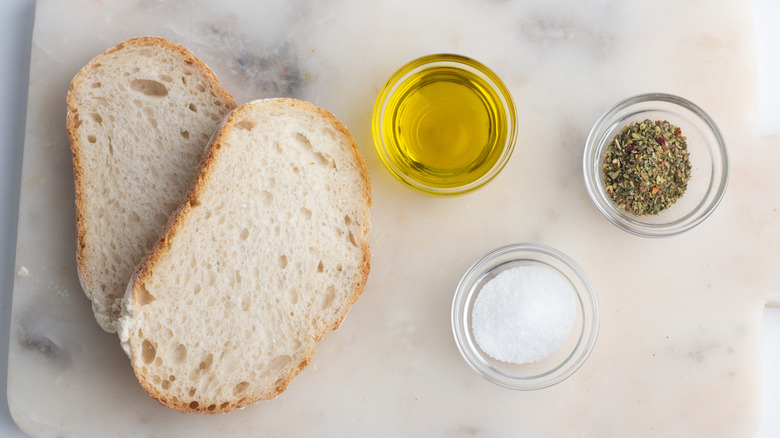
(679, 353)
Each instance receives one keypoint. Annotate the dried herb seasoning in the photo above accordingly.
(647, 167)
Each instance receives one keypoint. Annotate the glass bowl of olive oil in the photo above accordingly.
(444, 124)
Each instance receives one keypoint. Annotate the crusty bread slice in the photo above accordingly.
(139, 119)
(267, 254)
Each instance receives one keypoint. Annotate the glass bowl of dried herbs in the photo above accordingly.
(656, 165)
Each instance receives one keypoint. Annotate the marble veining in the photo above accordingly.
(678, 352)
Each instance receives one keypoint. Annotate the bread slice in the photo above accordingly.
(139, 119)
(266, 255)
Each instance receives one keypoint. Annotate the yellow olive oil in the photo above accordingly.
(445, 127)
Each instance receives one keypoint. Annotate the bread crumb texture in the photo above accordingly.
(269, 256)
(140, 117)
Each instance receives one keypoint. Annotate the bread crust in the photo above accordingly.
(162, 248)
(76, 143)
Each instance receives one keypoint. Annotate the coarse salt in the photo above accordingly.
(523, 314)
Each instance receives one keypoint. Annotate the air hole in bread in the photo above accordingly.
(293, 295)
(302, 140)
(211, 407)
(144, 297)
(166, 78)
(282, 261)
(320, 267)
(77, 122)
(215, 117)
(160, 218)
(339, 267)
(211, 279)
(96, 85)
(148, 352)
(194, 405)
(330, 295)
(137, 103)
(158, 361)
(91, 138)
(321, 159)
(224, 406)
(240, 388)
(153, 122)
(134, 217)
(149, 87)
(266, 196)
(352, 239)
(166, 384)
(205, 364)
(245, 304)
(184, 133)
(347, 220)
(191, 393)
(281, 384)
(278, 364)
(156, 380)
(238, 276)
(96, 118)
(306, 213)
(193, 108)
(244, 234)
(196, 289)
(201, 88)
(245, 125)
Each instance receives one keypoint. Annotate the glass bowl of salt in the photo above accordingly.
(525, 316)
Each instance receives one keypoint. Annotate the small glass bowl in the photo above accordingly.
(493, 93)
(552, 369)
(708, 156)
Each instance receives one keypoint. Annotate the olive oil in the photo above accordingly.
(445, 127)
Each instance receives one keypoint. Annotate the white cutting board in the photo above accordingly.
(679, 347)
